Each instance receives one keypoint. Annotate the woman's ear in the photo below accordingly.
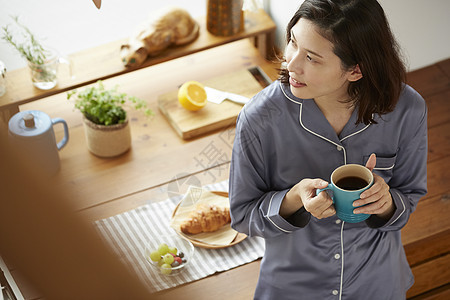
(355, 74)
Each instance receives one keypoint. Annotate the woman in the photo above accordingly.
(341, 99)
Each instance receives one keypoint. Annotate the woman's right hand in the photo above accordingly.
(304, 194)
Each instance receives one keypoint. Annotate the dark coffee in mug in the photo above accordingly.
(347, 183)
(351, 183)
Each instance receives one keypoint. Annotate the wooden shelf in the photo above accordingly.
(104, 62)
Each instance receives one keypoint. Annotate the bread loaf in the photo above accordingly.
(206, 218)
(165, 27)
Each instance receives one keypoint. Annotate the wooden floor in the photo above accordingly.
(427, 235)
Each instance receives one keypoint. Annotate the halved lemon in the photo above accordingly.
(192, 95)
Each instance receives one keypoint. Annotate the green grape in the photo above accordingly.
(173, 250)
(166, 269)
(155, 256)
(161, 262)
(168, 258)
(163, 249)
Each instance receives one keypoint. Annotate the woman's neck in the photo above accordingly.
(337, 113)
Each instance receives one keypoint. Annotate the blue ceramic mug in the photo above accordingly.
(347, 184)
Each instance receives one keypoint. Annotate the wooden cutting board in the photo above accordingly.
(190, 124)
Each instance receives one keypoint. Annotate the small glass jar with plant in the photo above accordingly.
(43, 62)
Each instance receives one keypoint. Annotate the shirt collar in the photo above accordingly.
(313, 120)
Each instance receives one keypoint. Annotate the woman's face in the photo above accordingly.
(314, 70)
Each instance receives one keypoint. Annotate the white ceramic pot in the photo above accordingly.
(107, 141)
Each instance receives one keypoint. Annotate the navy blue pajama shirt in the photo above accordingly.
(280, 140)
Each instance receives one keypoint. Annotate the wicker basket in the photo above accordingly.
(107, 141)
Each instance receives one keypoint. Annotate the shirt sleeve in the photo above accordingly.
(409, 182)
(254, 206)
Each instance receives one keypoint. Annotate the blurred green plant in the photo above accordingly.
(30, 48)
(105, 107)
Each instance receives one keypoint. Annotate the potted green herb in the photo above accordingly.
(105, 119)
(42, 62)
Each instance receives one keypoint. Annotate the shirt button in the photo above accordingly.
(338, 221)
(335, 292)
(337, 256)
(339, 148)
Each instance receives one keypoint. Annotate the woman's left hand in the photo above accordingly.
(377, 199)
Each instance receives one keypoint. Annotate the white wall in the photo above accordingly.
(281, 14)
(421, 27)
(69, 26)
(73, 25)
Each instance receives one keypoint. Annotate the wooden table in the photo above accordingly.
(158, 157)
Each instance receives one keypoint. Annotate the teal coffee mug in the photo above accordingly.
(347, 184)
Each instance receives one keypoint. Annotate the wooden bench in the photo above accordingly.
(426, 237)
(104, 62)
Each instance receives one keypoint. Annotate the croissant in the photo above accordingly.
(207, 218)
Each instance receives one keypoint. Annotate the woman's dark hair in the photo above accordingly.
(360, 34)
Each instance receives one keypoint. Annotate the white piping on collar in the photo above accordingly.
(310, 131)
(289, 98)
(316, 134)
(361, 130)
(322, 137)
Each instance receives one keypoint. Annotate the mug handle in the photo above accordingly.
(329, 187)
(65, 139)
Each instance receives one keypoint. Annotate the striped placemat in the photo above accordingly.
(127, 233)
